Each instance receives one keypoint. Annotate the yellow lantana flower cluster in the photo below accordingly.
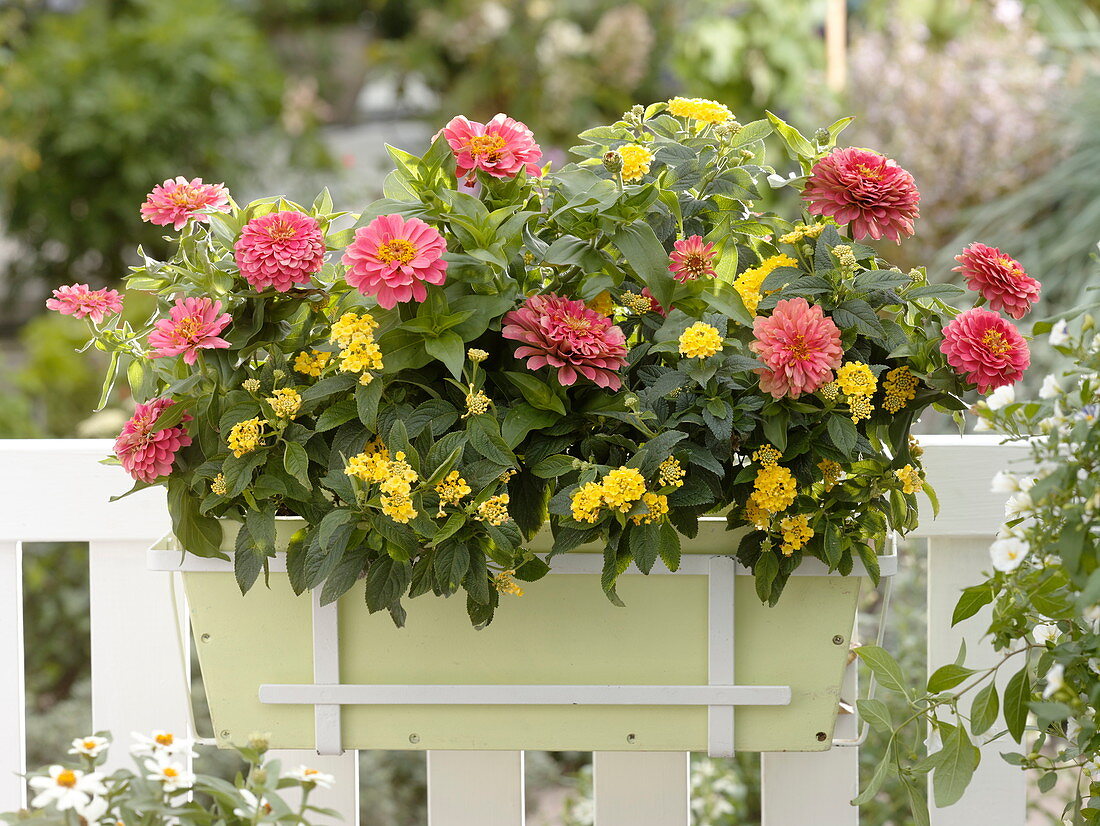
(395, 478)
(774, 488)
(505, 584)
(619, 490)
(858, 383)
(910, 478)
(803, 231)
(900, 386)
(285, 402)
(700, 109)
(218, 486)
(670, 473)
(767, 456)
(748, 283)
(476, 356)
(636, 161)
(602, 303)
(623, 487)
(829, 390)
(476, 404)
(359, 351)
(451, 490)
(699, 341)
(494, 510)
(796, 532)
(636, 303)
(312, 363)
(587, 502)
(246, 436)
(831, 473)
(658, 508)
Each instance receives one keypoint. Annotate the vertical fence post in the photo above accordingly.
(139, 679)
(638, 788)
(998, 792)
(475, 788)
(13, 737)
(810, 787)
(343, 797)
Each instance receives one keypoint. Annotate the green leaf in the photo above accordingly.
(387, 580)
(521, 420)
(877, 714)
(197, 534)
(342, 411)
(882, 771)
(367, 397)
(296, 463)
(450, 349)
(643, 542)
(1016, 699)
(767, 567)
(947, 677)
(797, 145)
(452, 560)
(486, 440)
(955, 765)
(986, 706)
(884, 667)
(669, 547)
(858, 314)
(247, 564)
(640, 247)
(842, 433)
(535, 391)
(553, 466)
(972, 600)
(170, 417)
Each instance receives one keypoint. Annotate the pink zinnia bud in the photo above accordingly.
(867, 191)
(985, 349)
(501, 147)
(193, 325)
(799, 346)
(568, 337)
(279, 250)
(177, 201)
(691, 259)
(78, 301)
(392, 259)
(654, 304)
(999, 278)
(144, 452)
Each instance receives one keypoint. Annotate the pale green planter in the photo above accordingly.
(563, 631)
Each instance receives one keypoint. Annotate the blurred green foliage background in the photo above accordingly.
(992, 104)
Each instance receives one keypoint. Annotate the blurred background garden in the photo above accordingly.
(993, 105)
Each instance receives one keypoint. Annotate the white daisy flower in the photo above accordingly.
(1003, 396)
(1059, 333)
(162, 742)
(1008, 553)
(306, 775)
(1055, 680)
(90, 746)
(1005, 482)
(67, 789)
(253, 805)
(172, 776)
(1046, 632)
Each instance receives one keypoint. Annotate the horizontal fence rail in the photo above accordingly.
(57, 490)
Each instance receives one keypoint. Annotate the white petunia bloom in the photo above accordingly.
(306, 775)
(1055, 680)
(1046, 632)
(1005, 482)
(67, 789)
(162, 742)
(1059, 333)
(1003, 396)
(172, 776)
(90, 746)
(1008, 553)
(1050, 389)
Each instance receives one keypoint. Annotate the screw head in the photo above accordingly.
(205, 638)
(838, 640)
(414, 738)
(630, 738)
(225, 734)
(822, 736)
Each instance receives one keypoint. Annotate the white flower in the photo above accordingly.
(1092, 767)
(1005, 482)
(1059, 333)
(1027, 483)
(161, 742)
(67, 789)
(933, 742)
(91, 745)
(1008, 553)
(306, 775)
(1046, 632)
(252, 805)
(1094, 665)
(1003, 396)
(1055, 680)
(1073, 728)
(1018, 504)
(1050, 389)
(1091, 615)
(982, 425)
(172, 776)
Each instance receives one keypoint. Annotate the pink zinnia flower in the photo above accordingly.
(999, 278)
(568, 336)
(501, 147)
(279, 250)
(866, 190)
(691, 259)
(985, 349)
(177, 201)
(654, 304)
(145, 453)
(78, 301)
(392, 259)
(799, 346)
(194, 325)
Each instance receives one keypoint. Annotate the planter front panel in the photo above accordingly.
(562, 631)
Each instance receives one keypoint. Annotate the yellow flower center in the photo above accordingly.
(797, 348)
(396, 250)
(281, 231)
(868, 172)
(188, 327)
(186, 196)
(166, 739)
(578, 325)
(89, 744)
(170, 772)
(310, 772)
(488, 147)
(996, 343)
(67, 779)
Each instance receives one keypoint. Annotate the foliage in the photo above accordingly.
(1044, 592)
(163, 791)
(103, 102)
(529, 446)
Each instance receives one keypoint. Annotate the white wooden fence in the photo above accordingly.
(57, 491)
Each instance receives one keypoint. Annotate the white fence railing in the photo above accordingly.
(58, 491)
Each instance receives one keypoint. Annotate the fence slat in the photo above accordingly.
(998, 792)
(13, 743)
(810, 787)
(139, 679)
(343, 797)
(475, 788)
(638, 788)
